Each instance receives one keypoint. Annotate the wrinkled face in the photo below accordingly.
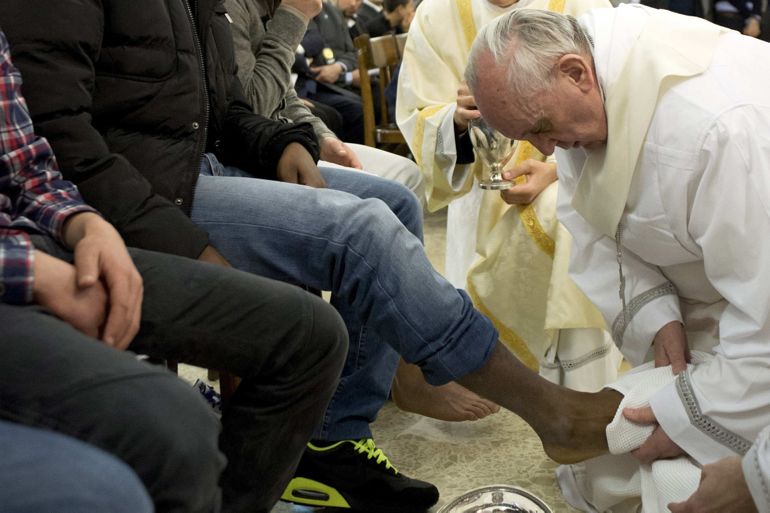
(568, 114)
(349, 7)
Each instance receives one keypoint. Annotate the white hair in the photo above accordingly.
(527, 43)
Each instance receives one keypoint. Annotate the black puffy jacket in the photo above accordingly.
(130, 93)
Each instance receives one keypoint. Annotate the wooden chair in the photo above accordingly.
(380, 53)
(400, 44)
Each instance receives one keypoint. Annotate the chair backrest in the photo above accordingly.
(378, 53)
(401, 43)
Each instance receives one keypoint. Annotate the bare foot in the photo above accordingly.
(451, 402)
(577, 431)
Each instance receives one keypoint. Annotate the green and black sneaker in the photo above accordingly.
(356, 475)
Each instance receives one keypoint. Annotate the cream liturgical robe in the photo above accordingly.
(520, 276)
(689, 117)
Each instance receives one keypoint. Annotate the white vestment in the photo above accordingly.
(694, 234)
(756, 471)
(520, 253)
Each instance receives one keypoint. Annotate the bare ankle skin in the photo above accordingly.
(451, 402)
(571, 425)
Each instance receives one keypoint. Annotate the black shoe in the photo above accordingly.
(355, 474)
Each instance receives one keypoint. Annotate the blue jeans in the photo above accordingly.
(45, 471)
(361, 239)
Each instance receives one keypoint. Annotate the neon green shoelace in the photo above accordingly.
(366, 445)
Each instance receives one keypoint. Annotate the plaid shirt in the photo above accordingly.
(34, 199)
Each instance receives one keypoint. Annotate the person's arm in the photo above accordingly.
(716, 410)
(752, 16)
(39, 200)
(734, 484)
(60, 45)
(335, 32)
(257, 144)
(426, 103)
(265, 55)
(42, 202)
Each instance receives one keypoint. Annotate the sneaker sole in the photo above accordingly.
(312, 493)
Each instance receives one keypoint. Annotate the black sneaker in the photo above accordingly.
(355, 474)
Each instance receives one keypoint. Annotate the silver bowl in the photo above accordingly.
(497, 499)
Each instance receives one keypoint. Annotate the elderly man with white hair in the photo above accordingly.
(660, 122)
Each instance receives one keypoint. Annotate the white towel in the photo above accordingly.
(617, 483)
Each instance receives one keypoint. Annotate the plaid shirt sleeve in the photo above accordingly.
(33, 196)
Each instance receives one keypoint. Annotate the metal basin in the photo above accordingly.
(497, 499)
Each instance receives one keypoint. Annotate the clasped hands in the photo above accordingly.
(100, 293)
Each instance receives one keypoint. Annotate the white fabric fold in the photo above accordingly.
(617, 483)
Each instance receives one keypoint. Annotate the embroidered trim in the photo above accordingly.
(514, 342)
(465, 9)
(573, 364)
(760, 474)
(625, 317)
(705, 424)
(419, 130)
(556, 6)
(535, 229)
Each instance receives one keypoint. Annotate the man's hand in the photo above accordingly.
(328, 74)
(308, 8)
(671, 347)
(658, 446)
(722, 488)
(101, 260)
(212, 256)
(56, 288)
(466, 108)
(752, 27)
(336, 151)
(539, 175)
(296, 166)
(355, 78)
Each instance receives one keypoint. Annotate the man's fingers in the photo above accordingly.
(643, 415)
(678, 507)
(661, 360)
(678, 362)
(86, 267)
(119, 314)
(125, 291)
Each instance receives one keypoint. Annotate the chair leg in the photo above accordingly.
(227, 384)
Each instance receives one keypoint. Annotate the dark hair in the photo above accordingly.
(392, 5)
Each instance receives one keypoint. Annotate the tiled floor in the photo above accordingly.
(459, 456)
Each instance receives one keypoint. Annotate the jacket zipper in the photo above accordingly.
(200, 146)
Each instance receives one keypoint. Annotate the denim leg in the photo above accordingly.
(356, 248)
(44, 471)
(371, 364)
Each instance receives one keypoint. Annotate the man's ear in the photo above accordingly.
(577, 70)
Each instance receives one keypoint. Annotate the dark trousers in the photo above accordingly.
(350, 108)
(286, 344)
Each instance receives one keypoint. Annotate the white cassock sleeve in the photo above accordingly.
(718, 408)
(756, 471)
(594, 267)
(427, 99)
